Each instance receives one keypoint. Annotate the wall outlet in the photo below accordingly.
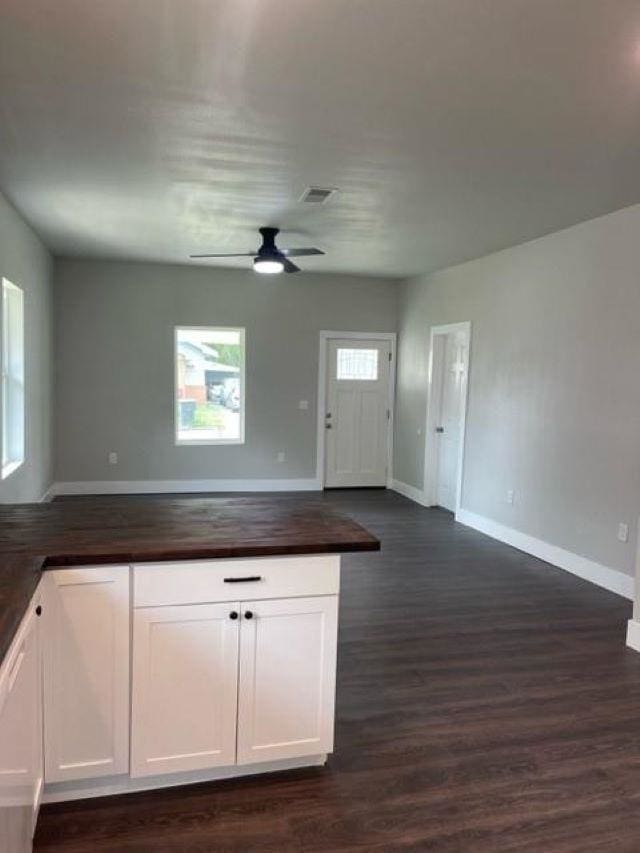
(623, 532)
(303, 405)
(281, 456)
(510, 496)
(113, 458)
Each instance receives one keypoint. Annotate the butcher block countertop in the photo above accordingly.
(115, 529)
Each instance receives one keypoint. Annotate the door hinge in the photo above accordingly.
(388, 414)
(390, 356)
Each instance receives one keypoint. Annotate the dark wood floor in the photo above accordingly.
(486, 702)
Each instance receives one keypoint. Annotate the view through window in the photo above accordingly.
(13, 411)
(358, 364)
(209, 385)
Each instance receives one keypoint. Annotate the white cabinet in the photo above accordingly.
(216, 682)
(232, 683)
(185, 686)
(21, 736)
(287, 678)
(86, 668)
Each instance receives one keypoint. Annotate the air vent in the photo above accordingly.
(317, 195)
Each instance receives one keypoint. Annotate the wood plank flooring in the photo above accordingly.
(486, 702)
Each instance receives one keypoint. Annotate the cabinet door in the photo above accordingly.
(185, 681)
(86, 664)
(37, 731)
(20, 738)
(287, 678)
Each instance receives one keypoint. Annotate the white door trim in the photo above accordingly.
(430, 480)
(325, 337)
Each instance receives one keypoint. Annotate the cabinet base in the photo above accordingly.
(57, 792)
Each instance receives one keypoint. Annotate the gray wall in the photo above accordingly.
(114, 364)
(26, 262)
(554, 393)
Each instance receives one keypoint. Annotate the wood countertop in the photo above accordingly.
(117, 529)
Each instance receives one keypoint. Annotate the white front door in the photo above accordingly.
(357, 417)
(451, 354)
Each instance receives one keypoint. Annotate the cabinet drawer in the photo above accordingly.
(201, 581)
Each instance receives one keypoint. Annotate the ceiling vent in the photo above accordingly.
(317, 195)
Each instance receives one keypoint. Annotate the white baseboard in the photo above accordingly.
(408, 491)
(142, 487)
(633, 635)
(611, 579)
(48, 495)
(59, 792)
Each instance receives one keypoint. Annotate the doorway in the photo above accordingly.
(355, 408)
(446, 414)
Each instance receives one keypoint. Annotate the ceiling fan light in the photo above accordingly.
(268, 266)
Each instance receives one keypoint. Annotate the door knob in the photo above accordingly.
(248, 614)
(327, 426)
(233, 615)
(439, 429)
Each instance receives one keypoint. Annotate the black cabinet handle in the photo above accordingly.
(248, 579)
(248, 614)
(38, 610)
(233, 615)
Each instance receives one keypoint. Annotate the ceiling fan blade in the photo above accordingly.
(289, 266)
(234, 255)
(301, 253)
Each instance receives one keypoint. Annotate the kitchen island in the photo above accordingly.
(177, 640)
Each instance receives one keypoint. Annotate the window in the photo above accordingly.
(12, 378)
(209, 367)
(359, 364)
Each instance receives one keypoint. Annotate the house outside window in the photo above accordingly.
(210, 385)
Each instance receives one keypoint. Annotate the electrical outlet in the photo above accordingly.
(623, 532)
(113, 458)
(510, 496)
(303, 405)
(281, 456)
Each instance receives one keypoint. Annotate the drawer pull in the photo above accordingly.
(248, 579)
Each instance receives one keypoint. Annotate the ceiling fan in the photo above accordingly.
(269, 258)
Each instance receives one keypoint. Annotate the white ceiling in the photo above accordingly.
(153, 129)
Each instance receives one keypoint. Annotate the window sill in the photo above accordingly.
(10, 467)
(207, 441)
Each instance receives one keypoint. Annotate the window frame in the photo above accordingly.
(8, 374)
(203, 442)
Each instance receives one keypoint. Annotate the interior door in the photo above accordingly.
(452, 351)
(287, 678)
(185, 682)
(357, 417)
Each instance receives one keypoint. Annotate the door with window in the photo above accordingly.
(357, 417)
